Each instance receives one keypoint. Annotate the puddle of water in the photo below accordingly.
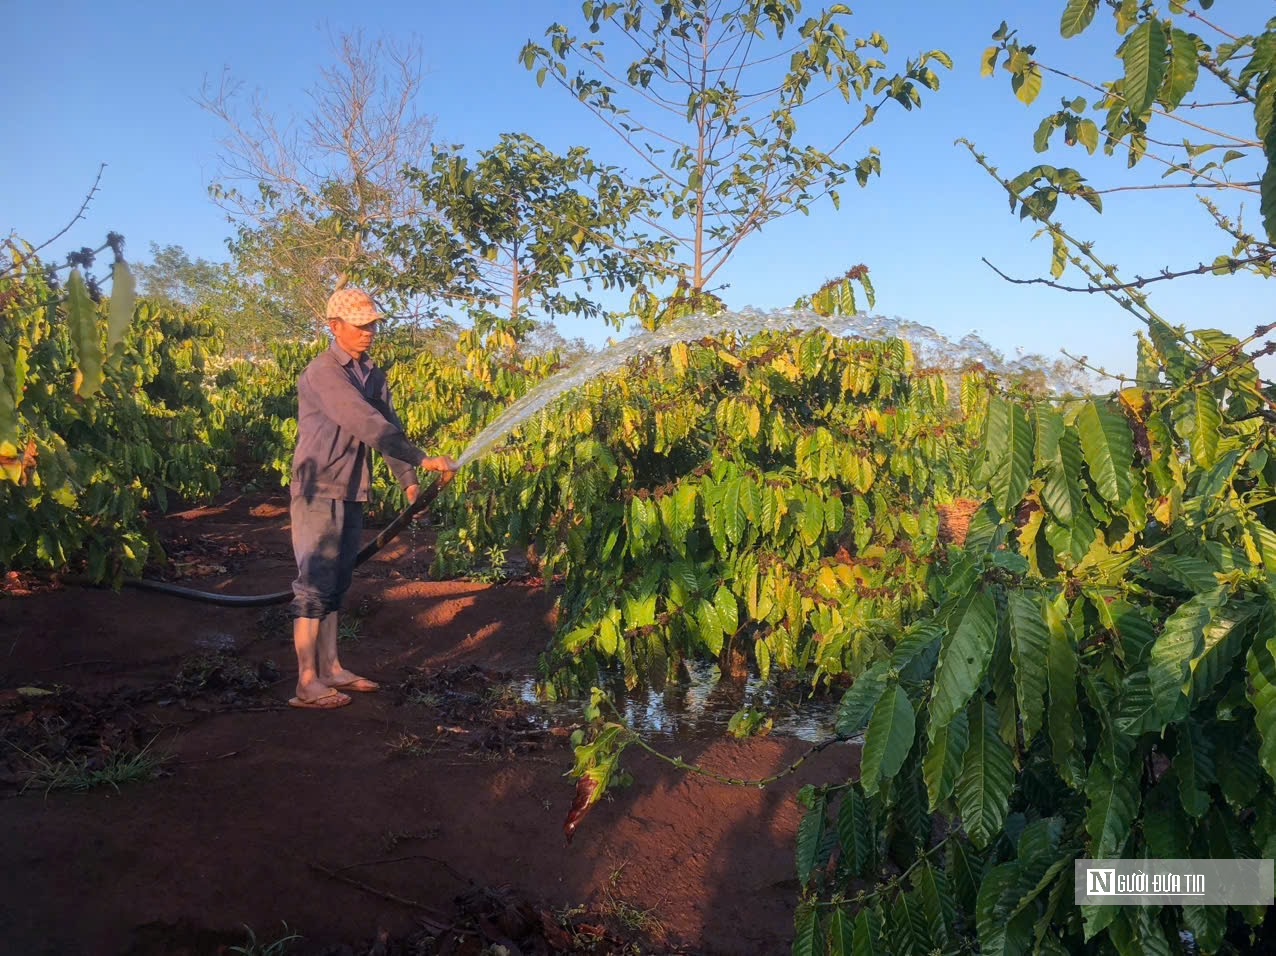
(704, 704)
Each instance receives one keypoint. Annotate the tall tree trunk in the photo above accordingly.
(514, 285)
(697, 280)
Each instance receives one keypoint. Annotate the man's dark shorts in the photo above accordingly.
(325, 540)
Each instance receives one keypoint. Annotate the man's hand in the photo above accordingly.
(441, 463)
(412, 491)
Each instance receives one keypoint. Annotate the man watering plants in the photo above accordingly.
(343, 413)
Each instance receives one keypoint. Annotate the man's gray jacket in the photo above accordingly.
(343, 412)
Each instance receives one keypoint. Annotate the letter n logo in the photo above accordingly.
(1099, 882)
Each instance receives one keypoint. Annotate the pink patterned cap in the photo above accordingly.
(353, 306)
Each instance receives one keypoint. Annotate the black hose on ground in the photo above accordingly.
(423, 500)
(209, 597)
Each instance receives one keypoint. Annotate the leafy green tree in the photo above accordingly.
(544, 338)
(251, 317)
(711, 105)
(1195, 102)
(520, 229)
(171, 277)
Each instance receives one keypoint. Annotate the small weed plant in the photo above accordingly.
(86, 773)
(255, 947)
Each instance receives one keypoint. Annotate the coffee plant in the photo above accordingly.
(258, 405)
(1096, 680)
(767, 498)
(103, 414)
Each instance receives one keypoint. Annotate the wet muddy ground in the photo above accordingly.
(427, 818)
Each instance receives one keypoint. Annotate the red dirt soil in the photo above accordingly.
(439, 795)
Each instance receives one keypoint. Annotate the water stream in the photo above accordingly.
(930, 347)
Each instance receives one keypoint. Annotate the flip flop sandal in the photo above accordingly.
(360, 685)
(329, 701)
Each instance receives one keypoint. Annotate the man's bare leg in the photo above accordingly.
(331, 673)
(306, 641)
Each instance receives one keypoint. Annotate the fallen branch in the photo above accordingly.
(232, 709)
(432, 918)
(413, 856)
(59, 667)
(233, 753)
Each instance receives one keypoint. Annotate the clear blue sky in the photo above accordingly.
(116, 83)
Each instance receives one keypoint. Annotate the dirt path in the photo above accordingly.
(442, 797)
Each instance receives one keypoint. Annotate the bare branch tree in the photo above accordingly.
(305, 194)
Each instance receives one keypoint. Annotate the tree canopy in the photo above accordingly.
(710, 98)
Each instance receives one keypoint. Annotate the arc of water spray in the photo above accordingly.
(929, 347)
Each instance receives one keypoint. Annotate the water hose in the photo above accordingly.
(423, 500)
